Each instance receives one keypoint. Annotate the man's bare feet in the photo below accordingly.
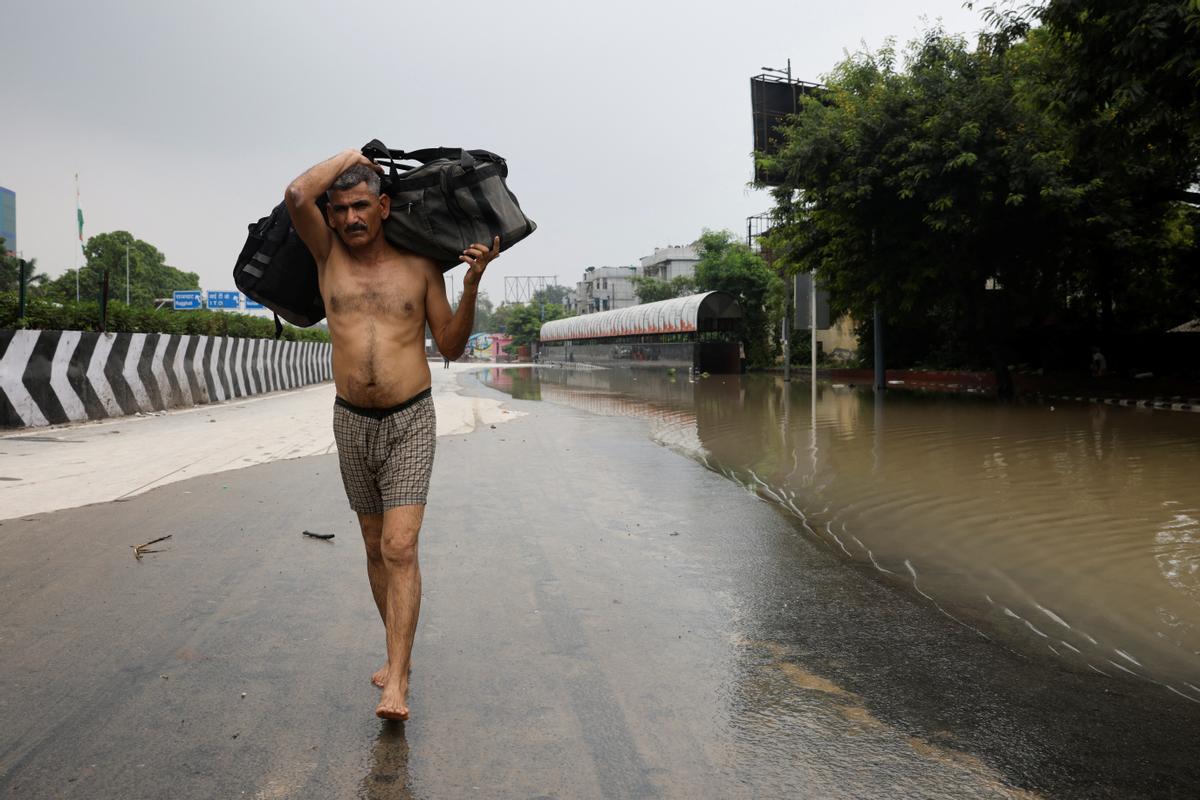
(392, 705)
(381, 675)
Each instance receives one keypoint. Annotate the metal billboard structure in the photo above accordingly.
(522, 288)
(773, 98)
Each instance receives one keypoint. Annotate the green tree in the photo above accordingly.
(651, 290)
(922, 189)
(525, 320)
(150, 277)
(10, 273)
(1127, 74)
(1121, 79)
(981, 210)
(728, 265)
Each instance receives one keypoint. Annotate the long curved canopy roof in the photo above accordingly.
(697, 312)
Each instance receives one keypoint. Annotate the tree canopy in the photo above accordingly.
(728, 265)
(970, 194)
(150, 277)
(525, 320)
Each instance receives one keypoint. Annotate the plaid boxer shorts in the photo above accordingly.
(386, 454)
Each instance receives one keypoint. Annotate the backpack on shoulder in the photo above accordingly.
(453, 199)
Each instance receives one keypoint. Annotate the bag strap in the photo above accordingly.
(377, 150)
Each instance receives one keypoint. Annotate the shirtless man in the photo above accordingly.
(378, 300)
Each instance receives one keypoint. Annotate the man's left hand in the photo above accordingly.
(478, 256)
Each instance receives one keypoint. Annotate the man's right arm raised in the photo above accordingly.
(301, 199)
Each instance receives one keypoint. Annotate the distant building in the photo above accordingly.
(666, 263)
(603, 289)
(611, 288)
(8, 218)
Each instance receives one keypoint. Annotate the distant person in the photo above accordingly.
(445, 362)
(378, 300)
(1099, 363)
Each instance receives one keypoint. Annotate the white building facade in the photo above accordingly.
(666, 263)
(603, 289)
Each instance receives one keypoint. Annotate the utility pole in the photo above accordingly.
(127, 273)
(877, 325)
(21, 285)
(812, 318)
(789, 296)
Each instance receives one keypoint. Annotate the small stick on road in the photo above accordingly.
(325, 536)
(140, 549)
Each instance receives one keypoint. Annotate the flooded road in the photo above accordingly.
(1066, 533)
(600, 618)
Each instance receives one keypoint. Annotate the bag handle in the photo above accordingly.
(466, 158)
(378, 151)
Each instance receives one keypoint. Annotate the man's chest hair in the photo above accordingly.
(374, 298)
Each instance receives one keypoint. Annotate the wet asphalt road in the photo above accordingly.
(601, 618)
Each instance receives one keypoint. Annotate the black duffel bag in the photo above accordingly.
(276, 268)
(454, 199)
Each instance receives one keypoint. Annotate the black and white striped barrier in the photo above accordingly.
(1174, 404)
(51, 377)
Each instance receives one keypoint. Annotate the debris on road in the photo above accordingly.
(325, 536)
(140, 550)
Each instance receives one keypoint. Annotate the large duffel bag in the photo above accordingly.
(454, 199)
(276, 268)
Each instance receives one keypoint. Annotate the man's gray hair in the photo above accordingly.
(359, 173)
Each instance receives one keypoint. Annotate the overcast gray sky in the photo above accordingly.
(626, 123)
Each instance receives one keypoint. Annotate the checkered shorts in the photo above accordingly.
(386, 454)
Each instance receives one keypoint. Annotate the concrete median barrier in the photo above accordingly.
(54, 377)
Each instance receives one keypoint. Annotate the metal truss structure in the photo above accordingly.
(756, 226)
(522, 288)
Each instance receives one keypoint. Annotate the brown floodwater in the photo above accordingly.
(1068, 532)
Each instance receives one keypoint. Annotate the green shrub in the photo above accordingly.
(42, 314)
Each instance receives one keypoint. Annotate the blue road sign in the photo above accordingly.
(188, 300)
(253, 304)
(224, 299)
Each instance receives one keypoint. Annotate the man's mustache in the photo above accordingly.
(357, 227)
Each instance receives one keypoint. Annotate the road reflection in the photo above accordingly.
(388, 778)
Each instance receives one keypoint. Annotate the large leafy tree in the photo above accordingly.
(1128, 72)
(1121, 79)
(918, 189)
(729, 265)
(947, 192)
(150, 277)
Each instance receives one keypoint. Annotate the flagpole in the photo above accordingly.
(79, 221)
